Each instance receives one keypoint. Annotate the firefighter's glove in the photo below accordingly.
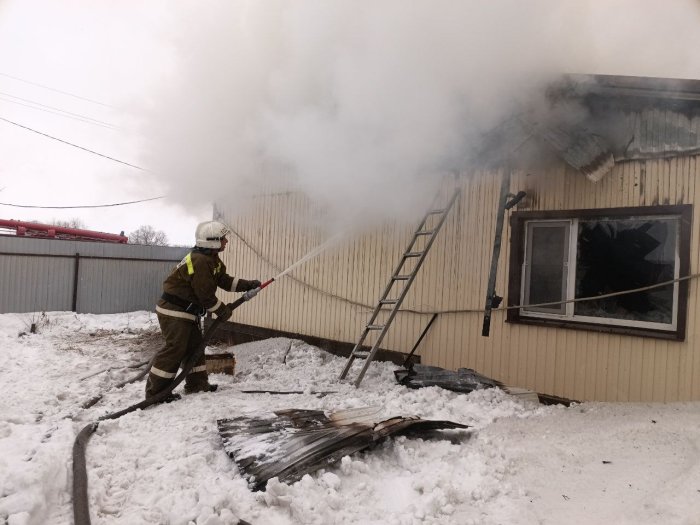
(245, 285)
(223, 312)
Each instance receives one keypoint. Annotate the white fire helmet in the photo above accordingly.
(210, 233)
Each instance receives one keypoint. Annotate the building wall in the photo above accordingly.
(324, 296)
(39, 275)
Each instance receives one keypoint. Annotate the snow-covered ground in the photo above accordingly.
(520, 463)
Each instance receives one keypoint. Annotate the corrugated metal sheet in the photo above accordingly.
(30, 284)
(38, 275)
(647, 133)
(567, 363)
(592, 116)
(580, 149)
(658, 133)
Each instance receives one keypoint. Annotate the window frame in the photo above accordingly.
(527, 267)
(517, 268)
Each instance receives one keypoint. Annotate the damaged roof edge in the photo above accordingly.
(675, 89)
(625, 118)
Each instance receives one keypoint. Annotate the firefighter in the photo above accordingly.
(188, 293)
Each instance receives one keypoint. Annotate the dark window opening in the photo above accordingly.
(559, 257)
(618, 255)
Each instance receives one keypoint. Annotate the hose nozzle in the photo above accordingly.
(252, 293)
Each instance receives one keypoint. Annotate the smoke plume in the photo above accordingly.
(362, 105)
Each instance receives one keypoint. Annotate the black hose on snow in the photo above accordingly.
(81, 507)
(140, 375)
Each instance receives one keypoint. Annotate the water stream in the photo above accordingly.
(313, 253)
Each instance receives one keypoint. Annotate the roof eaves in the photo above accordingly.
(671, 89)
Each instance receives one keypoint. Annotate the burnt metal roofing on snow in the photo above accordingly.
(295, 442)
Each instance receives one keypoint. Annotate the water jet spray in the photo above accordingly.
(313, 253)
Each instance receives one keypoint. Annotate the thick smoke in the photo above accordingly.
(362, 105)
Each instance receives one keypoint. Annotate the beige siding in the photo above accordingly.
(320, 297)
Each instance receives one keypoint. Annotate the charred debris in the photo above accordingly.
(296, 442)
(466, 380)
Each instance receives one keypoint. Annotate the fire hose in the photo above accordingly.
(81, 507)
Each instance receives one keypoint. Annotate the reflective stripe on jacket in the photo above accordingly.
(195, 279)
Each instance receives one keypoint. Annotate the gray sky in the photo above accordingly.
(355, 101)
(103, 51)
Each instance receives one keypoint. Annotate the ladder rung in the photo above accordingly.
(428, 228)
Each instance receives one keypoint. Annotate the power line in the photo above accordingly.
(57, 90)
(75, 145)
(76, 207)
(56, 111)
(54, 108)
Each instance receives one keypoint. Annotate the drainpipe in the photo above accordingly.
(505, 202)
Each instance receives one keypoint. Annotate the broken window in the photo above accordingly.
(568, 262)
(626, 254)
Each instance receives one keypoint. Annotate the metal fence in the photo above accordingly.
(81, 276)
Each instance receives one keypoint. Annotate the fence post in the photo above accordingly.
(76, 271)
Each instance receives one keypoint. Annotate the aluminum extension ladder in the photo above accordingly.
(428, 229)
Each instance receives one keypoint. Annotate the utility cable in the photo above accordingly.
(80, 207)
(75, 145)
(576, 300)
(56, 111)
(468, 310)
(56, 90)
